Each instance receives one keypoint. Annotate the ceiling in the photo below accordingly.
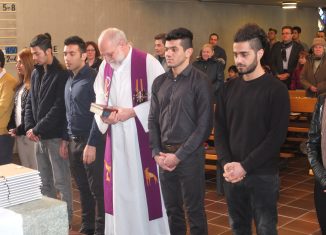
(301, 3)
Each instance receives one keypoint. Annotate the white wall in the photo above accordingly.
(141, 20)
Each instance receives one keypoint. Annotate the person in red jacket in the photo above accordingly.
(295, 80)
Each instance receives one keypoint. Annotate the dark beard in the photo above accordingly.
(250, 68)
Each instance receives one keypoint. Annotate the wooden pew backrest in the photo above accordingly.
(302, 104)
(297, 93)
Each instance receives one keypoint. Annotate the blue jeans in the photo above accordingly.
(6, 146)
(254, 197)
(54, 172)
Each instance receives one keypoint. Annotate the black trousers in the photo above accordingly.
(7, 145)
(320, 204)
(255, 197)
(89, 181)
(287, 83)
(184, 188)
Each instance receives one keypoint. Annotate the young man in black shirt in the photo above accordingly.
(85, 150)
(180, 120)
(250, 125)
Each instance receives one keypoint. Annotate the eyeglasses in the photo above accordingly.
(90, 50)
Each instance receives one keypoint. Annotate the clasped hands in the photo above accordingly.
(167, 161)
(234, 172)
(283, 76)
(121, 115)
(313, 88)
(12, 132)
(30, 135)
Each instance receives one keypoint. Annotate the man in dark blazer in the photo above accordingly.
(284, 56)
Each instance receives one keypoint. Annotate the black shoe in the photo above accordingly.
(86, 231)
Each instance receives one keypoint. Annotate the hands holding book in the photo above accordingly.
(121, 115)
(112, 115)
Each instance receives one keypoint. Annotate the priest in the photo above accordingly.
(133, 201)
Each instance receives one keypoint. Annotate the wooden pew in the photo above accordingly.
(300, 105)
(210, 153)
(301, 110)
(297, 93)
(211, 164)
(211, 158)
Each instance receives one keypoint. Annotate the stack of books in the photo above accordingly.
(18, 184)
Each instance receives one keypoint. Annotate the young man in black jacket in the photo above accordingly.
(284, 56)
(251, 123)
(45, 119)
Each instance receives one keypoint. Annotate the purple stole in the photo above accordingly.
(151, 184)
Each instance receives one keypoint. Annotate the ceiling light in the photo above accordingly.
(289, 5)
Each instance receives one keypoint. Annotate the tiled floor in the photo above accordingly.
(296, 212)
(295, 208)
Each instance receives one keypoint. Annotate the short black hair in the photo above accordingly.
(272, 29)
(161, 37)
(214, 34)
(254, 34)
(296, 28)
(76, 40)
(233, 68)
(2, 59)
(42, 41)
(184, 34)
(287, 27)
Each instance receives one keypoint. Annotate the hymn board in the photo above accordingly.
(8, 42)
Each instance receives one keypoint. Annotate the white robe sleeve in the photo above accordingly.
(153, 70)
(99, 90)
